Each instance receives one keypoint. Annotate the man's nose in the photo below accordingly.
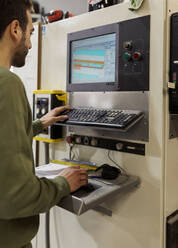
(30, 45)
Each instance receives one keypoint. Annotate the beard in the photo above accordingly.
(18, 60)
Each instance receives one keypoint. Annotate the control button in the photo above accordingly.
(43, 101)
(94, 142)
(137, 56)
(78, 140)
(38, 111)
(69, 139)
(119, 146)
(38, 102)
(127, 56)
(43, 111)
(86, 141)
(128, 45)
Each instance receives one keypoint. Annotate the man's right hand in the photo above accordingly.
(75, 176)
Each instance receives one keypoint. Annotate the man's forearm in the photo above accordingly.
(37, 127)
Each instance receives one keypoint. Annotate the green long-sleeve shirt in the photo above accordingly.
(22, 195)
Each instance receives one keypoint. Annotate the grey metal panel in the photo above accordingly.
(134, 75)
(80, 202)
(114, 100)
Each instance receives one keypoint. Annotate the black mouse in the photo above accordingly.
(88, 188)
(109, 172)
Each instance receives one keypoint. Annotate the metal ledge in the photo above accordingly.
(80, 201)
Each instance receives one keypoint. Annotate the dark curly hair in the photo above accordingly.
(14, 10)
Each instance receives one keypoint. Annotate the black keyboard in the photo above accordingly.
(110, 118)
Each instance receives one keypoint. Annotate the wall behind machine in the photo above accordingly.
(75, 7)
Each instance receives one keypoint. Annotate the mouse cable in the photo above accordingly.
(116, 164)
(71, 153)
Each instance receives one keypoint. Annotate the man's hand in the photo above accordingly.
(51, 117)
(75, 176)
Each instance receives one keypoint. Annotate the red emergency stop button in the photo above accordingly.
(137, 56)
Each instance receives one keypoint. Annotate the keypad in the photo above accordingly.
(102, 117)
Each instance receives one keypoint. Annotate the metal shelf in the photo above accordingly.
(81, 201)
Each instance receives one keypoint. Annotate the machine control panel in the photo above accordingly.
(134, 50)
(112, 57)
(110, 144)
(43, 102)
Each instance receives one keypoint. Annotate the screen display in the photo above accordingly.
(93, 60)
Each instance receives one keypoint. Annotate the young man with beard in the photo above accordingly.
(22, 195)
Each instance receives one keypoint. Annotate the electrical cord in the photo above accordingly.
(71, 152)
(123, 172)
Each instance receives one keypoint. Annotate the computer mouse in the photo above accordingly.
(109, 172)
(88, 188)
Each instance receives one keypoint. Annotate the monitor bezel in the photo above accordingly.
(91, 33)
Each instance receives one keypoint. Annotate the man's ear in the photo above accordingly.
(15, 30)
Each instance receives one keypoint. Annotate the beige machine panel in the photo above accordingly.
(138, 217)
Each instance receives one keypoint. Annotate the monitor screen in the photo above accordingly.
(93, 60)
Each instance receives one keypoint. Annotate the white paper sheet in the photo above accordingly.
(50, 170)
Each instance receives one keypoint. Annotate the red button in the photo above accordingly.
(137, 56)
(69, 140)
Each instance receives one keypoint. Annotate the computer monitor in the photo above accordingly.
(92, 59)
(112, 57)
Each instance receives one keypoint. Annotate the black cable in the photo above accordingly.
(71, 152)
(118, 166)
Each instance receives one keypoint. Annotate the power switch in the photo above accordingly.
(78, 140)
(119, 146)
(128, 45)
(94, 142)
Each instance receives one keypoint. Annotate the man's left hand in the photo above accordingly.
(52, 117)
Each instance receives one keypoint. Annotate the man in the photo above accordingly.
(22, 195)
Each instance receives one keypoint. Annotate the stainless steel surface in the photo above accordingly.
(80, 202)
(114, 100)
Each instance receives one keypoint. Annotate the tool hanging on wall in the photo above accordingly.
(56, 15)
(135, 4)
(99, 4)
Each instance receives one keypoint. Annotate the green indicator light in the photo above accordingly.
(127, 56)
